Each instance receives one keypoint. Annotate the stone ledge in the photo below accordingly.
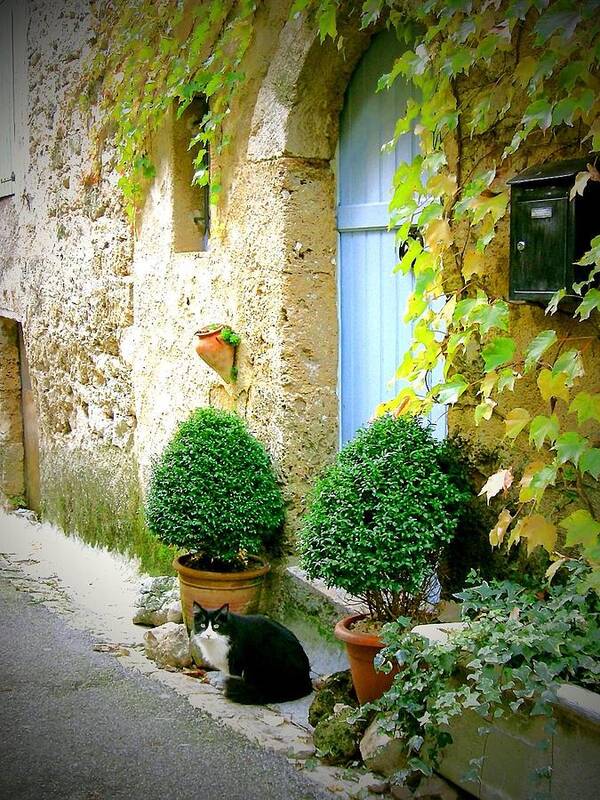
(313, 594)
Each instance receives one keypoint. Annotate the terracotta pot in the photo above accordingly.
(213, 589)
(362, 649)
(219, 355)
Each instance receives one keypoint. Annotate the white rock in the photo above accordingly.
(168, 645)
(156, 602)
(381, 752)
(174, 612)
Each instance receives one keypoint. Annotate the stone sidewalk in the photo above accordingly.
(95, 590)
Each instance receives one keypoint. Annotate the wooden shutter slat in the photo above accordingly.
(7, 116)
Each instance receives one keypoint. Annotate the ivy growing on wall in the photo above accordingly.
(496, 81)
(151, 56)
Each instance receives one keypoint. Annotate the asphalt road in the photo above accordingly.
(76, 725)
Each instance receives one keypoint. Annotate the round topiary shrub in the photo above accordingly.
(381, 514)
(213, 492)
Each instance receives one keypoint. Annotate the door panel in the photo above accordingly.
(30, 431)
(374, 338)
(372, 299)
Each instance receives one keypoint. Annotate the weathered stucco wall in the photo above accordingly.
(109, 316)
(65, 260)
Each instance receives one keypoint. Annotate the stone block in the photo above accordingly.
(516, 747)
(168, 645)
(158, 602)
(382, 752)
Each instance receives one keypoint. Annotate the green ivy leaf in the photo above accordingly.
(555, 20)
(327, 22)
(586, 406)
(458, 62)
(491, 316)
(581, 528)
(590, 462)
(552, 306)
(570, 446)
(538, 113)
(499, 351)
(484, 410)
(571, 364)
(506, 379)
(543, 428)
(538, 346)
(571, 73)
(592, 256)
(449, 392)
(590, 302)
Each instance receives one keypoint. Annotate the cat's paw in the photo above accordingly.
(216, 679)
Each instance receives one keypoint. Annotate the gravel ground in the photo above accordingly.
(77, 725)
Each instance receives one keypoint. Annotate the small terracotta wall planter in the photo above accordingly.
(362, 649)
(214, 351)
(213, 589)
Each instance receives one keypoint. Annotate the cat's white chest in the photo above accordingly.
(214, 648)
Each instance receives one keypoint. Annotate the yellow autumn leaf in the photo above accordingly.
(498, 532)
(484, 410)
(438, 235)
(473, 264)
(536, 478)
(515, 421)
(487, 384)
(447, 311)
(553, 385)
(441, 184)
(525, 69)
(553, 568)
(406, 402)
(529, 471)
(538, 531)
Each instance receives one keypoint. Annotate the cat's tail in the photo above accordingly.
(239, 691)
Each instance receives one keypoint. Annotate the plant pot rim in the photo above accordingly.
(343, 632)
(209, 331)
(242, 575)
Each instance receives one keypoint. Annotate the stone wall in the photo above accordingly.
(109, 314)
(65, 258)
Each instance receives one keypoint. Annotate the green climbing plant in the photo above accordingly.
(150, 57)
(495, 81)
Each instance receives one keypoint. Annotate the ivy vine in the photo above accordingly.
(495, 80)
(150, 57)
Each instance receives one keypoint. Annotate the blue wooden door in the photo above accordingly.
(372, 300)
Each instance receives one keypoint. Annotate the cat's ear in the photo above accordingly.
(197, 609)
(224, 610)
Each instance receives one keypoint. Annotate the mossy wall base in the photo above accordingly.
(95, 495)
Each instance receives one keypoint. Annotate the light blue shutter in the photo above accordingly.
(7, 117)
(372, 300)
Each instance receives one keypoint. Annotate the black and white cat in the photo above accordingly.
(263, 661)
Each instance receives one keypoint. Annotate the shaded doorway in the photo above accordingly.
(19, 440)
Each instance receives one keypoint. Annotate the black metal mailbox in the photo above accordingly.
(548, 231)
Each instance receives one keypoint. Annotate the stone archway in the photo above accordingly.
(292, 143)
